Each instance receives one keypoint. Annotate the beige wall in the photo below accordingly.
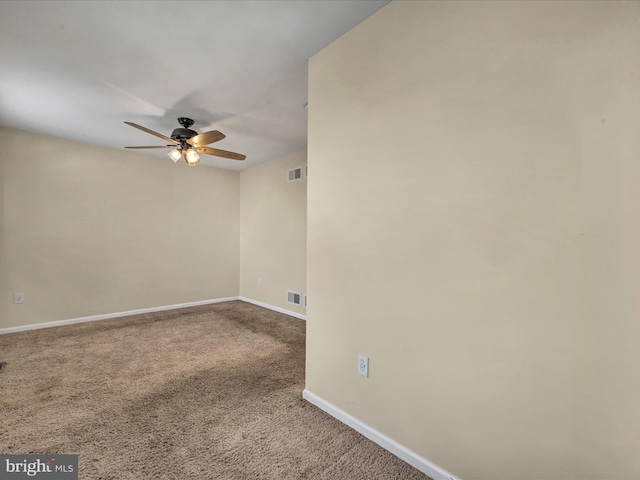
(89, 230)
(273, 225)
(473, 227)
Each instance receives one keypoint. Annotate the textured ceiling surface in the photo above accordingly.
(79, 69)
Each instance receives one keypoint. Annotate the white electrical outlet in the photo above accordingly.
(363, 365)
(259, 282)
(18, 298)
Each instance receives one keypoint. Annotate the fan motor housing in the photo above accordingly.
(183, 134)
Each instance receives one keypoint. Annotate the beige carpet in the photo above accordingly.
(210, 392)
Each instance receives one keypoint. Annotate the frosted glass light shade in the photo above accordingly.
(175, 155)
(192, 157)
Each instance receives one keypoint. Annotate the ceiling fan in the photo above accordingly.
(189, 143)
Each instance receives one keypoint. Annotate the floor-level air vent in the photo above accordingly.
(293, 298)
(295, 174)
(2, 365)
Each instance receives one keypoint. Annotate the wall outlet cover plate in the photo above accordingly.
(363, 365)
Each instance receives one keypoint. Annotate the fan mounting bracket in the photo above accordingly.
(185, 122)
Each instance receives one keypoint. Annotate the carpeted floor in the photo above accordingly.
(211, 392)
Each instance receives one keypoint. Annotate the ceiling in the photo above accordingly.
(79, 69)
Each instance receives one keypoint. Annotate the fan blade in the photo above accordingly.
(206, 138)
(221, 153)
(156, 146)
(168, 139)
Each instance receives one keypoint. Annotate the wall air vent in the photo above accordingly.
(295, 174)
(294, 298)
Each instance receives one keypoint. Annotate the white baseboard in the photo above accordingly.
(275, 309)
(400, 451)
(106, 316)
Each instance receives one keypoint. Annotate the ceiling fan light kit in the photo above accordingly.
(186, 142)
